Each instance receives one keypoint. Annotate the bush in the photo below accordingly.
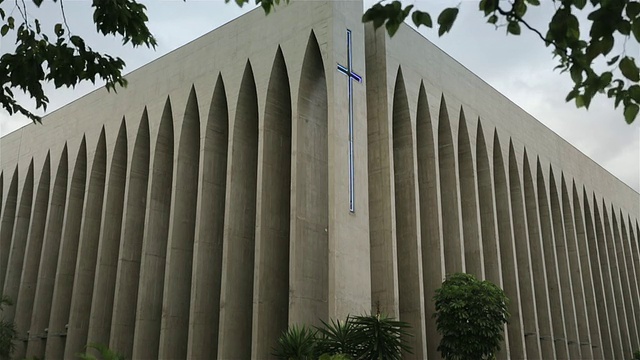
(636, 355)
(8, 332)
(371, 337)
(470, 316)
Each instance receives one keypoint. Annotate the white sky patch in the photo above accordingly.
(519, 67)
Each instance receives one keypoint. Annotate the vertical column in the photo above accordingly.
(207, 247)
(177, 282)
(130, 252)
(273, 218)
(37, 321)
(430, 234)
(82, 290)
(575, 271)
(523, 260)
(146, 339)
(238, 251)
(408, 241)
(507, 253)
(8, 219)
(61, 297)
(632, 290)
(538, 263)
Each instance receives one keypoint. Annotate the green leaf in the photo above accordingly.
(629, 69)
(613, 60)
(580, 4)
(635, 28)
(446, 20)
(513, 28)
(576, 74)
(492, 19)
(634, 92)
(580, 101)
(633, 9)
(421, 18)
(624, 27)
(4, 30)
(58, 30)
(630, 112)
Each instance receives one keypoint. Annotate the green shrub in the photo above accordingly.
(8, 332)
(470, 316)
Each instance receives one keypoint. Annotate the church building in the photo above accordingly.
(298, 167)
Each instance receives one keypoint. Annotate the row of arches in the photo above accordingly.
(567, 259)
(179, 248)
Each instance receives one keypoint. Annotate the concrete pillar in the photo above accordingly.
(8, 217)
(523, 260)
(236, 300)
(82, 290)
(507, 253)
(128, 275)
(384, 271)
(564, 274)
(538, 263)
(63, 283)
(474, 262)
(109, 243)
(27, 238)
(625, 293)
(177, 282)
(633, 280)
(207, 274)
(146, 339)
(575, 271)
(410, 285)
(551, 262)
(604, 321)
(587, 277)
(453, 247)
(273, 218)
(309, 254)
(430, 229)
(615, 271)
(39, 318)
(635, 259)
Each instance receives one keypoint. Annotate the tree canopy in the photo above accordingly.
(65, 59)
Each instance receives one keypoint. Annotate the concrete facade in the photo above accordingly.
(200, 211)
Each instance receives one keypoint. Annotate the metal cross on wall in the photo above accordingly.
(350, 76)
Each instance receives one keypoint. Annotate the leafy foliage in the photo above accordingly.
(470, 316)
(636, 355)
(7, 332)
(103, 351)
(576, 53)
(371, 337)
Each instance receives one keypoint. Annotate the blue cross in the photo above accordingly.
(351, 76)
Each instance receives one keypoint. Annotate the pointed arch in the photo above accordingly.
(146, 340)
(507, 252)
(109, 243)
(587, 276)
(63, 282)
(409, 255)
(429, 219)
(490, 247)
(39, 318)
(309, 255)
(607, 278)
(564, 269)
(598, 274)
(28, 235)
(175, 313)
(239, 230)
(620, 286)
(474, 263)
(631, 290)
(453, 251)
(8, 221)
(538, 263)
(575, 273)
(551, 258)
(523, 260)
(271, 300)
(205, 291)
(128, 273)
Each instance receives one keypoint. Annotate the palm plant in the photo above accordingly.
(296, 343)
(339, 337)
(104, 352)
(381, 337)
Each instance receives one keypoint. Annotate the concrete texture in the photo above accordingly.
(203, 209)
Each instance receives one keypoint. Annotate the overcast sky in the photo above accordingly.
(519, 67)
